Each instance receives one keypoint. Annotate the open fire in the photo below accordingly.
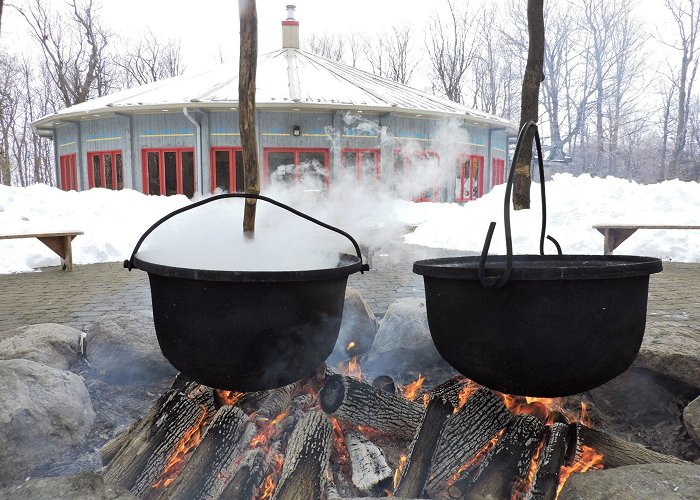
(376, 440)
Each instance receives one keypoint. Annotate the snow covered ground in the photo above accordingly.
(114, 220)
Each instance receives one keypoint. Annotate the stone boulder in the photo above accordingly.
(673, 349)
(633, 482)
(54, 345)
(123, 350)
(87, 486)
(359, 326)
(45, 414)
(403, 345)
(691, 419)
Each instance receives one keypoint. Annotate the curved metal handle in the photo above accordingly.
(494, 281)
(129, 264)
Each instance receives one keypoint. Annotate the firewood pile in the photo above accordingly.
(335, 436)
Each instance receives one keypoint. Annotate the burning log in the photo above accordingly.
(617, 452)
(386, 383)
(369, 467)
(547, 478)
(205, 473)
(362, 404)
(110, 449)
(306, 459)
(451, 389)
(465, 433)
(142, 460)
(276, 402)
(415, 472)
(246, 401)
(248, 476)
(506, 464)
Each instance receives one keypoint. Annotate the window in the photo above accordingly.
(361, 164)
(469, 179)
(416, 175)
(297, 166)
(227, 169)
(69, 178)
(168, 171)
(105, 169)
(498, 169)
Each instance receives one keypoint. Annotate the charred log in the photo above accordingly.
(506, 464)
(617, 452)
(306, 459)
(204, 475)
(369, 466)
(110, 449)
(140, 462)
(248, 475)
(464, 434)
(420, 452)
(276, 402)
(362, 404)
(386, 383)
(546, 480)
(451, 389)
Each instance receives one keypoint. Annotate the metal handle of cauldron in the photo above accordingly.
(129, 264)
(494, 281)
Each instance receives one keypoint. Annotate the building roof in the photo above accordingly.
(285, 78)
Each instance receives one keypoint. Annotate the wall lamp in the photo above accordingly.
(296, 131)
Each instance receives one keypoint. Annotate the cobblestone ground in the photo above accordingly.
(79, 298)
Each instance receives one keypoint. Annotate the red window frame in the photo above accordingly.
(69, 174)
(295, 152)
(498, 169)
(358, 161)
(468, 159)
(101, 155)
(407, 167)
(232, 171)
(161, 167)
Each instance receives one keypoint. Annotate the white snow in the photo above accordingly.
(114, 220)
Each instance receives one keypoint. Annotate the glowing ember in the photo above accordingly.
(590, 459)
(269, 430)
(229, 397)
(399, 470)
(189, 441)
(410, 391)
(268, 488)
(479, 455)
(350, 345)
(545, 409)
(342, 455)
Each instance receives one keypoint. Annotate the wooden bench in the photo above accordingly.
(58, 241)
(617, 233)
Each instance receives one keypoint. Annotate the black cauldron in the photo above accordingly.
(247, 331)
(537, 325)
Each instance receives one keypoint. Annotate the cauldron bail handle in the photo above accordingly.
(494, 281)
(129, 264)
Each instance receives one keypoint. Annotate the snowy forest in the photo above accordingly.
(610, 104)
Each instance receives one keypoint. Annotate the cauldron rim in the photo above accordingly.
(347, 265)
(541, 267)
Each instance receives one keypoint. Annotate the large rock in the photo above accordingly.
(87, 486)
(403, 344)
(691, 419)
(672, 348)
(123, 349)
(45, 414)
(359, 327)
(54, 345)
(634, 482)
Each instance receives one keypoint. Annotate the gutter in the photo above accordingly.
(198, 147)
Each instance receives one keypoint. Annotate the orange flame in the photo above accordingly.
(269, 430)
(350, 345)
(465, 394)
(229, 397)
(410, 391)
(399, 469)
(188, 442)
(351, 368)
(479, 454)
(545, 409)
(590, 459)
(522, 487)
(268, 488)
(584, 417)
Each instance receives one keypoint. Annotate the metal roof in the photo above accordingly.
(285, 78)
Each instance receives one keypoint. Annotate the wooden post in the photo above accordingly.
(246, 108)
(530, 99)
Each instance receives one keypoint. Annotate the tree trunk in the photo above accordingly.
(246, 108)
(530, 99)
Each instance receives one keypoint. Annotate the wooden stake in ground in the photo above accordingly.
(246, 107)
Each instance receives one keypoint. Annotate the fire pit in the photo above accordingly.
(537, 325)
(247, 330)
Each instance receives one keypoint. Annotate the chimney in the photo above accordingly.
(290, 30)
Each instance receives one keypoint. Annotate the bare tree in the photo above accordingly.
(329, 46)
(149, 59)
(74, 49)
(401, 62)
(451, 49)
